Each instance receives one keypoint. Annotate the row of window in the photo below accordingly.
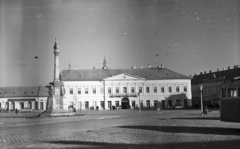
(231, 92)
(125, 90)
(207, 90)
(117, 104)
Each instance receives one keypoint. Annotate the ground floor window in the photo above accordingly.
(179, 102)
(117, 103)
(185, 102)
(148, 103)
(86, 105)
(102, 104)
(169, 103)
(110, 104)
(155, 103)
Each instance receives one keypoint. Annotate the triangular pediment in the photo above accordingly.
(125, 76)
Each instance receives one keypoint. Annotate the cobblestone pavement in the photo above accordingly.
(165, 129)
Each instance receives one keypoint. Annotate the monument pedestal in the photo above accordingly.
(55, 101)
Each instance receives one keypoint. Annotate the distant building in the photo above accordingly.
(31, 97)
(211, 82)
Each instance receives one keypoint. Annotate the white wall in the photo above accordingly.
(90, 97)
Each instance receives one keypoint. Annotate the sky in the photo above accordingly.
(186, 36)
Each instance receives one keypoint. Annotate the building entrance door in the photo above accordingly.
(148, 104)
(21, 105)
(41, 105)
(36, 105)
(110, 105)
(125, 103)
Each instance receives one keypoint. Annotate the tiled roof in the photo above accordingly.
(226, 74)
(100, 74)
(23, 91)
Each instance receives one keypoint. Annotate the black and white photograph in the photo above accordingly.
(105, 74)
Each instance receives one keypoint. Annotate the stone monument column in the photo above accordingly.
(56, 61)
(55, 99)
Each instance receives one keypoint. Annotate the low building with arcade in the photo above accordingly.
(24, 97)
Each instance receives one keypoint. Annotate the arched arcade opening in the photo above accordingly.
(125, 103)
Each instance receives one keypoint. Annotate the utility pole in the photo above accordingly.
(201, 88)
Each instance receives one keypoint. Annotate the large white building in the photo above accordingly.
(126, 88)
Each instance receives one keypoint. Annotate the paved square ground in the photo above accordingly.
(125, 129)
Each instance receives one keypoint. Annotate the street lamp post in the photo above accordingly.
(201, 88)
(139, 102)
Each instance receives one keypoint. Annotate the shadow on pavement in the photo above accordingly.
(233, 144)
(198, 118)
(188, 129)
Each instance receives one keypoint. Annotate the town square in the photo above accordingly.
(120, 129)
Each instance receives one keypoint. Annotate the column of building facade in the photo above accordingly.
(8, 105)
(144, 89)
(136, 91)
(128, 88)
(120, 88)
(33, 105)
(44, 105)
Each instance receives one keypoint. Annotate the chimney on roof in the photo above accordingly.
(229, 67)
(217, 70)
(162, 66)
(205, 72)
(190, 76)
(210, 71)
(195, 74)
(223, 69)
(149, 66)
(236, 66)
(200, 73)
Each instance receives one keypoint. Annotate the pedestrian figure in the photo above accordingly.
(205, 110)
(16, 111)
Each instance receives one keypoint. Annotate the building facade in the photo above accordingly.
(212, 82)
(125, 88)
(34, 97)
